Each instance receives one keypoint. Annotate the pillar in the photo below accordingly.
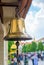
(5, 46)
(1, 45)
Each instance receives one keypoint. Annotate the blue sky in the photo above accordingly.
(34, 20)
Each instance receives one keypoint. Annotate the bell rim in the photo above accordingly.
(17, 38)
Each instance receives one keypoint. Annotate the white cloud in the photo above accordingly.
(28, 20)
(35, 25)
(38, 3)
(29, 16)
(40, 14)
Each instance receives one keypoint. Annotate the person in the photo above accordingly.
(32, 58)
(21, 59)
(25, 60)
(35, 59)
(9, 61)
(15, 61)
(12, 62)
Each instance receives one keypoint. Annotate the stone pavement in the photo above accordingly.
(30, 62)
(39, 62)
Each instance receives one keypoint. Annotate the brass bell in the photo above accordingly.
(17, 30)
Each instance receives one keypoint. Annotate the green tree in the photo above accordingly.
(43, 47)
(33, 46)
(10, 44)
(28, 47)
(40, 46)
(24, 48)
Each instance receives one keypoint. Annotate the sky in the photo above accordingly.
(34, 20)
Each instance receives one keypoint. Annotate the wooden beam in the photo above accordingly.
(14, 4)
(1, 13)
(24, 6)
(27, 8)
